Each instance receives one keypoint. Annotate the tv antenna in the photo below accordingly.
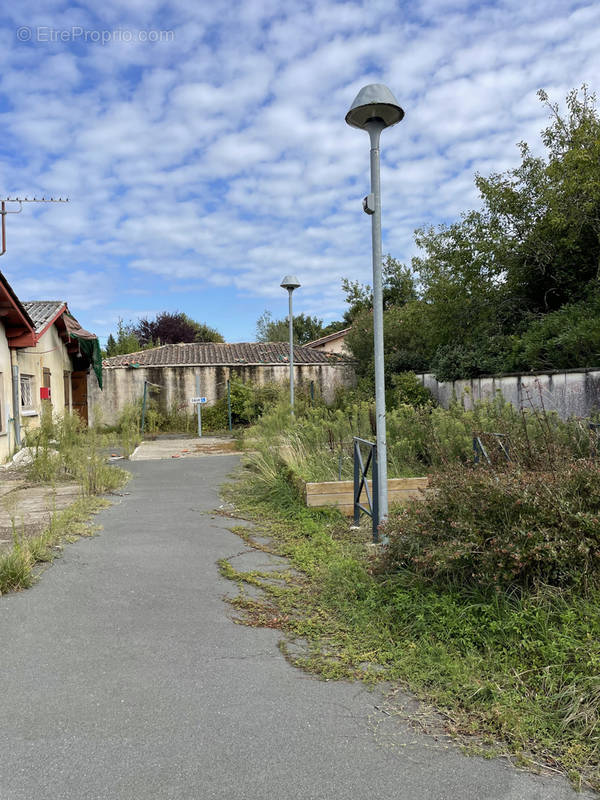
(20, 201)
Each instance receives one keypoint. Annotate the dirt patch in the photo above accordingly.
(213, 446)
(26, 508)
(184, 448)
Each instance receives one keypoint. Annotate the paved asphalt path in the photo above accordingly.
(123, 676)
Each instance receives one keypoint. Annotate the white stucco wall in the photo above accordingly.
(124, 385)
(6, 437)
(334, 346)
(50, 353)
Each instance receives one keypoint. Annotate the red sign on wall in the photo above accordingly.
(44, 393)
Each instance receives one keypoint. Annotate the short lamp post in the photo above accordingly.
(374, 109)
(291, 282)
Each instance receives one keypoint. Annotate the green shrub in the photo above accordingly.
(563, 339)
(214, 418)
(457, 361)
(495, 529)
(407, 389)
(250, 401)
(64, 449)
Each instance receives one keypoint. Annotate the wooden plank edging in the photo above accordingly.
(341, 493)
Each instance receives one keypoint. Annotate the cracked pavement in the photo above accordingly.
(125, 677)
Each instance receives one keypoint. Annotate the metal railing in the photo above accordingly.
(361, 469)
(501, 440)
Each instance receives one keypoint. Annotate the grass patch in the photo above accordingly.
(63, 449)
(19, 566)
(511, 672)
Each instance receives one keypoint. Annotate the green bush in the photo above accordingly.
(407, 389)
(250, 401)
(563, 339)
(214, 418)
(458, 361)
(64, 449)
(501, 529)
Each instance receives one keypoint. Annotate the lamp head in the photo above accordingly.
(290, 282)
(374, 101)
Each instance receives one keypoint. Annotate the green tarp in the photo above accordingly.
(89, 345)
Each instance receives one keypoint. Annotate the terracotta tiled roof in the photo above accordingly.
(208, 353)
(43, 311)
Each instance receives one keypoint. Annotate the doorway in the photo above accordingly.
(79, 394)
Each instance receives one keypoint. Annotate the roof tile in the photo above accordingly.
(209, 353)
(42, 311)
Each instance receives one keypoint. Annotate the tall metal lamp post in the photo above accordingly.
(374, 109)
(291, 282)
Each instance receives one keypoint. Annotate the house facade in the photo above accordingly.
(56, 369)
(183, 371)
(45, 356)
(16, 331)
(333, 343)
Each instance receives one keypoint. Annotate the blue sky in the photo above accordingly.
(204, 150)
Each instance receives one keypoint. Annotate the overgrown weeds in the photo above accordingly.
(503, 530)
(318, 442)
(19, 565)
(485, 604)
(63, 449)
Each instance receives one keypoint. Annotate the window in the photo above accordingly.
(27, 392)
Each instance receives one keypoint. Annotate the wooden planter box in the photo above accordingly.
(341, 493)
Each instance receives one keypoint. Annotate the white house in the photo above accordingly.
(45, 355)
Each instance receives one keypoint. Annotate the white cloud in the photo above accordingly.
(220, 159)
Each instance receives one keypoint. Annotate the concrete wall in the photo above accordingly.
(571, 393)
(5, 398)
(50, 353)
(123, 385)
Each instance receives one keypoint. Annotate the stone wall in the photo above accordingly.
(124, 385)
(571, 393)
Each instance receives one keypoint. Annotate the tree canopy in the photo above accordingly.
(306, 328)
(174, 328)
(513, 285)
(167, 328)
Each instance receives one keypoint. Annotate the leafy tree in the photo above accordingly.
(111, 346)
(125, 342)
(306, 328)
(512, 285)
(563, 339)
(533, 248)
(398, 288)
(174, 328)
(334, 327)
(407, 337)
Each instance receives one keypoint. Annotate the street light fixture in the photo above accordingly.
(291, 282)
(374, 109)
